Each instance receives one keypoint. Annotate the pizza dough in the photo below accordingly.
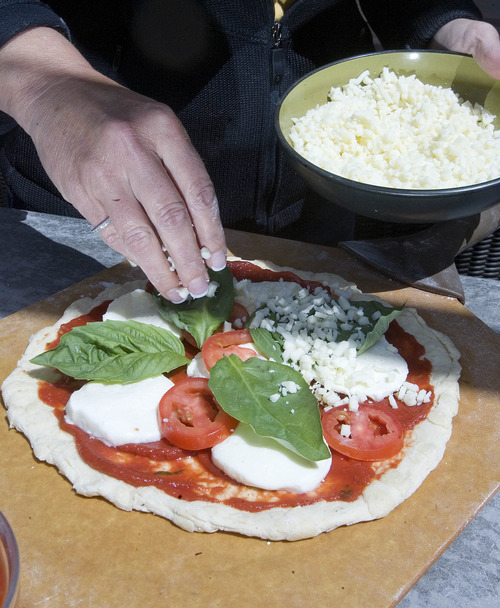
(423, 449)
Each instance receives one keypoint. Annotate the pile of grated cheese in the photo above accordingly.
(396, 131)
(311, 326)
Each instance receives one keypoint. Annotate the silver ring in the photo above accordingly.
(102, 225)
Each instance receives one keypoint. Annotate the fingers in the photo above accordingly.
(193, 182)
(179, 200)
(131, 232)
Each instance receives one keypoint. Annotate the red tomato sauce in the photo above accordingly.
(246, 270)
(420, 373)
(95, 314)
(141, 464)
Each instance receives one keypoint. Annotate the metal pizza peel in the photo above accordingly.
(426, 259)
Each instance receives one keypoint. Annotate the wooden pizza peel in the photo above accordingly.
(78, 551)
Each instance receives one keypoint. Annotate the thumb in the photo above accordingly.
(487, 52)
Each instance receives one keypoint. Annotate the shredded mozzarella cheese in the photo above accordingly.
(396, 131)
(311, 326)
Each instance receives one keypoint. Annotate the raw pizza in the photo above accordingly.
(282, 405)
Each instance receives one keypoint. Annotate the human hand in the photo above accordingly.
(114, 153)
(477, 38)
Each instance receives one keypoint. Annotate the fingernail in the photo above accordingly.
(198, 287)
(218, 260)
(178, 295)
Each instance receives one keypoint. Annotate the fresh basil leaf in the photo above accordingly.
(376, 331)
(201, 316)
(115, 351)
(246, 390)
(269, 344)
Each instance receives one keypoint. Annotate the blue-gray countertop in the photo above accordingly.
(42, 254)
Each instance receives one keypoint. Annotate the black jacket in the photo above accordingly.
(222, 65)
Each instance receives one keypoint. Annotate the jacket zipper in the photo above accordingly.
(277, 70)
(277, 55)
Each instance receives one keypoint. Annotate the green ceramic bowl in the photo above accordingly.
(460, 72)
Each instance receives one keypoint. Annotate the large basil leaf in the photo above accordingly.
(115, 352)
(201, 316)
(246, 390)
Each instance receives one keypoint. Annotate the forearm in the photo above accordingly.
(31, 64)
(17, 16)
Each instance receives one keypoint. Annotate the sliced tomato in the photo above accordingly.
(375, 433)
(227, 343)
(190, 418)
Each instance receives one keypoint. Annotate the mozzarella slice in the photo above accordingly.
(264, 463)
(197, 367)
(376, 373)
(138, 305)
(119, 413)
